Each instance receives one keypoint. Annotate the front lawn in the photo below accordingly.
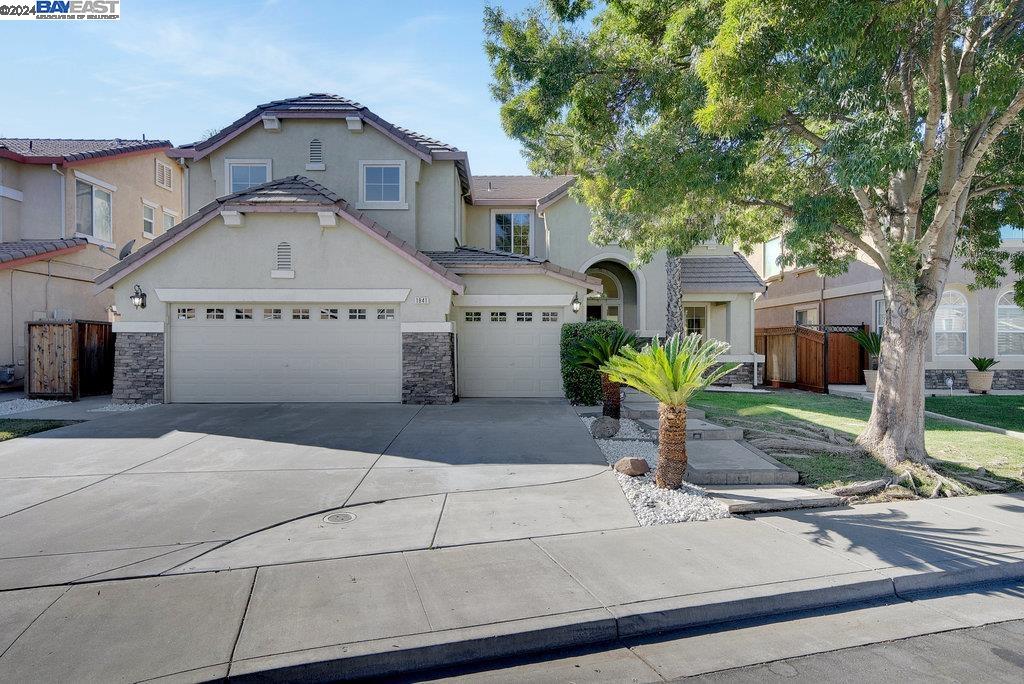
(20, 427)
(957, 449)
(1001, 411)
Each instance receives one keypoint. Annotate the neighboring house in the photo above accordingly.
(66, 209)
(983, 323)
(332, 256)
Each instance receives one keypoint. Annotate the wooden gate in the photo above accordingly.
(795, 356)
(69, 359)
(846, 358)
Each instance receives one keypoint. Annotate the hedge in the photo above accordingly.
(582, 385)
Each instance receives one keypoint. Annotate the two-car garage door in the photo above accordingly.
(284, 352)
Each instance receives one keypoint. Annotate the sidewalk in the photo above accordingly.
(394, 612)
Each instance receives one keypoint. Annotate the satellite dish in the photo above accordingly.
(126, 250)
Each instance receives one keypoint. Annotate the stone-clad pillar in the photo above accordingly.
(428, 368)
(138, 368)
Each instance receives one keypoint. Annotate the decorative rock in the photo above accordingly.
(604, 428)
(632, 466)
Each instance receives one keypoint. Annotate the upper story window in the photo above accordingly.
(1009, 326)
(93, 211)
(162, 175)
(170, 218)
(512, 231)
(951, 325)
(148, 220)
(772, 254)
(242, 174)
(382, 184)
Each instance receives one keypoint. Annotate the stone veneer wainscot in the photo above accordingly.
(428, 368)
(138, 368)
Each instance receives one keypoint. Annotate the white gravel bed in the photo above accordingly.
(651, 505)
(120, 408)
(628, 428)
(22, 405)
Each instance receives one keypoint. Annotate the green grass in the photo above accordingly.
(1001, 411)
(958, 447)
(11, 428)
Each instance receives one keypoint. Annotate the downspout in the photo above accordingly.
(63, 201)
(185, 194)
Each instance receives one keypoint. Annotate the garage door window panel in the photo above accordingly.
(473, 317)
(499, 316)
(300, 314)
(186, 314)
(272, 314)
(357, 314)
(243, 314)
(215, 314)
(387, 314)
(328, 314)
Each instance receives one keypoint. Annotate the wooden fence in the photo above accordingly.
(69, 359)
(795, 356)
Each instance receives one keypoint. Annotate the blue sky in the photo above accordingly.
(176, 69)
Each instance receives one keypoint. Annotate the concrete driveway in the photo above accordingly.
(182, 488)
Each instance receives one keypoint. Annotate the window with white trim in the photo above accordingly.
(951, 325)
(382, 182)
(696, 319)
(1009, 326)
(499, 316)
(808, 316)
(215, 314)
(772, 254)
(186, 313)
(169, 220)
(243, 314)
(148, 220)
(387, 314)
(162, 175)
(328, 314)
(511, 231)
(93, 211)
(357, 314)
(300, 314)
(472, 316)
(242, 175)
(316, 151)
(549, 317)
(524, 316)
(271, 314)
(283, 256)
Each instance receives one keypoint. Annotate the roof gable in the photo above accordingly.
(706, 274)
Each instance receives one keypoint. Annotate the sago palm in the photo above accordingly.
(594, 352)
(671, 373)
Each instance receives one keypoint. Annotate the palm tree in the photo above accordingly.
(671, 374)
(594, 352)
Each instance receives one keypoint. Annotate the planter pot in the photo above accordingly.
(870, 377)
(979, 382)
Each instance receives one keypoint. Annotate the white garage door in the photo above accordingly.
(509, 352)
(285, 352)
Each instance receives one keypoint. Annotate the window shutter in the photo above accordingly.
(163, 175)
(284, 256)
(316, 151)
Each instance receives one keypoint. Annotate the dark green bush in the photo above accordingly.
(582, 385)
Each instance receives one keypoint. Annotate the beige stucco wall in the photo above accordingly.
(432, 216)
(218, 256)
(730, 319)
(10, 209)
(38, 289)
(40, 207)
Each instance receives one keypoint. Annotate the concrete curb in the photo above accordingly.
(1012, 434)
(407, 654)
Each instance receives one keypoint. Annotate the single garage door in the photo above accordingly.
(285, 352)
(509, 352)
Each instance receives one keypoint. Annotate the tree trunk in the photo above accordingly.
(612, 398)
(895, 431)
(671, 447)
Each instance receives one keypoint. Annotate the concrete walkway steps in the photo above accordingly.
(405, 611)
(696, 428)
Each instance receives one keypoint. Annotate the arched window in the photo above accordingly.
(283, 257)
(1009, 326)
(951, 325)
(316, 151)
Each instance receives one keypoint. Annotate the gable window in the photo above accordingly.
(93, 214)
(512, 231)
(170, 218)
(951, 325)
(1009, 326)
(382, 184)
(772, 254)
(242, 174)
(696, 318)
(148, 220)
(315, 160)
(162, 175)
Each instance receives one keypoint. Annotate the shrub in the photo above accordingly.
(582, 385)
(983, 363)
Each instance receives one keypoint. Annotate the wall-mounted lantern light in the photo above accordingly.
(139, 298)
(576, 303)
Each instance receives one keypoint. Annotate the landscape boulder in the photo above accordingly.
(604, 428)
(632, 466)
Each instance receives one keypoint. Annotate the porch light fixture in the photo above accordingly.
(139, 298)
(575, 302)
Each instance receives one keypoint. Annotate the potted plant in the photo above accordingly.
(594, 352)
(872, 344)
(671, 374)
(980, 381)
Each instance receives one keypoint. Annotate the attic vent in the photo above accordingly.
(284, 256)
(316, 152)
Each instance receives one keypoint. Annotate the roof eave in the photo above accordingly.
(20, 261)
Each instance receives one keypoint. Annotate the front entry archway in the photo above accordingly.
(618, 300)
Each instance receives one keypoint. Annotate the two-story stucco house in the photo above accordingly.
(985, 322)
(67, 207)
(329, 255)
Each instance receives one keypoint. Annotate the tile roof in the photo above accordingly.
(45, 150)
(463, 258)
(290, 192)
(718, 274)
(22, 249)
(538, 188)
